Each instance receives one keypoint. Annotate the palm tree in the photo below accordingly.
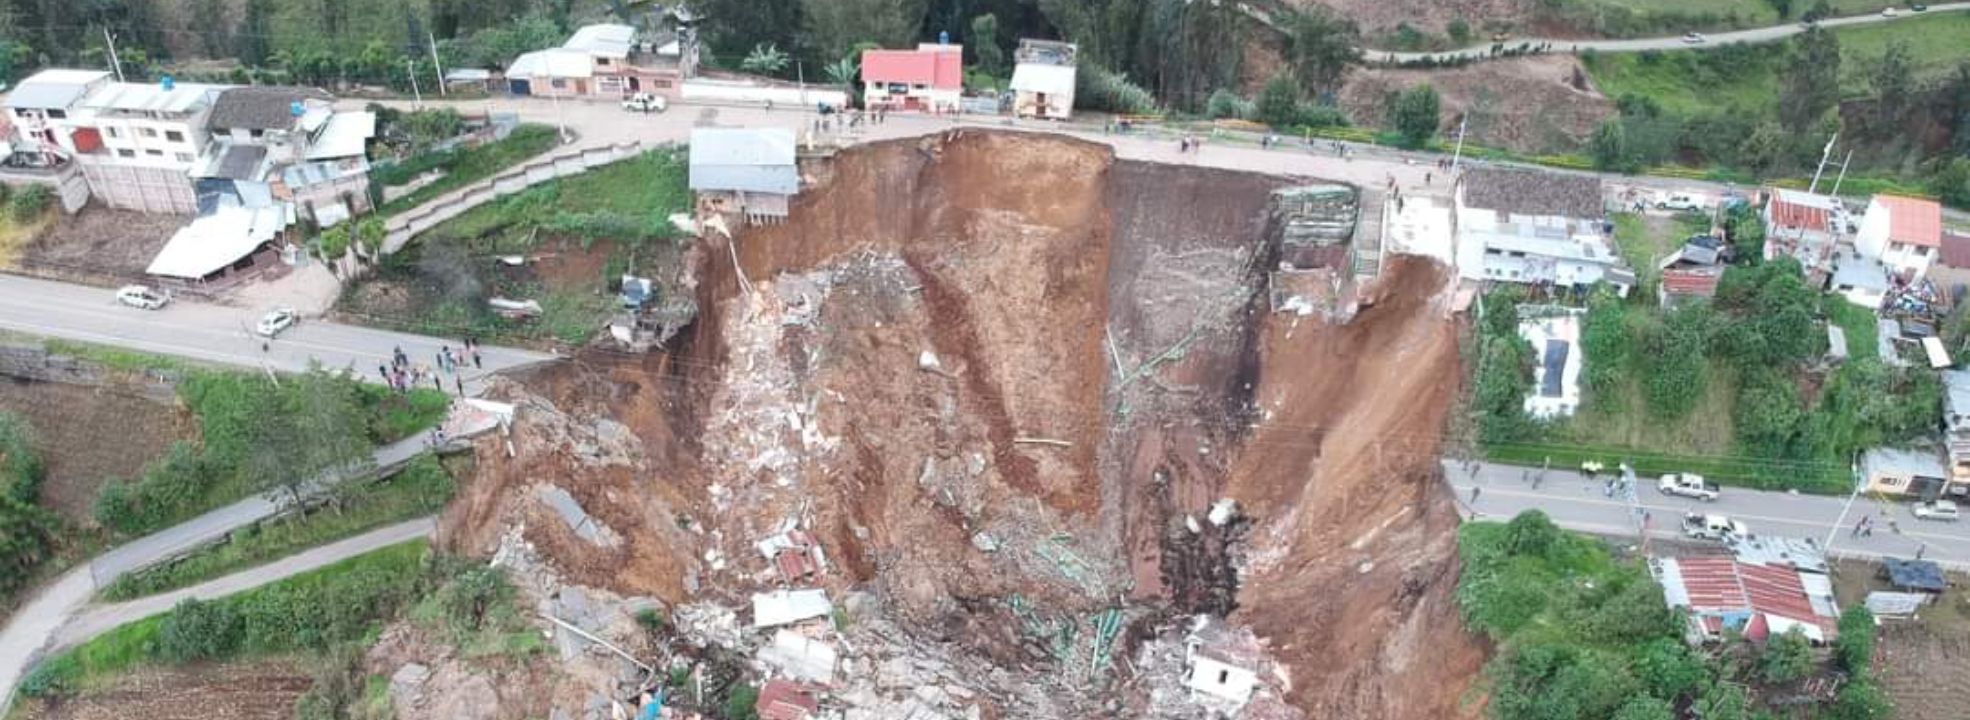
(842, 72)
(765, 59)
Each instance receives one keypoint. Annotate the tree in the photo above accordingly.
(1502, 385)
(834, 26)
(370, 234)
(742, 703)
(1278, 103)
(334, 243)
(1609, 147)
(842, 73)
(1862, 700)
(1811, 82)
(214, 33)
(1854, 646)
(1677, 372)
(252, 42)
(1893, 80)
(309, 435)
(1459, 31)
(198, 630)
(1320, 47)
(733, 27)
(1416, 115)
(984, 44)
(1952, 181)
(1764, 148)
(26, 538)
(1668, 668)
(1531, 534)
(1606, 349)
(1786, 658)
(1225, 104)
(1645, 708)
(765, 59)
(21, 469)
(1768, 414)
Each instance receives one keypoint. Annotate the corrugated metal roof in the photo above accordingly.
(152, 97)
(611, 41)
(1902, 462)
(552, 63)
(1794, 209)
(50, 89)
(940, 67)
(1956, 395)
(1691, 283)
(781, 607)
(347, 134)
(214, 241)
(751, 160)
(1724, 588)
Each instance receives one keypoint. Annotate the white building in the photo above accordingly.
(1528, 226)
(597, 61)
(151, 136)
(1806, 227)
(1905, 234)
(929, 78)
(1043, 79)
(40, 108)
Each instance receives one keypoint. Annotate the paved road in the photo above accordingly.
(219, 334)
(103, 618)
(1753, 36)
(1578, 503)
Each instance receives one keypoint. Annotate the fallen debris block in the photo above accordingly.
(800, 657)
(1223, 511)
(783, 700)
(785, 607)
(795, 554)
(1041, 441)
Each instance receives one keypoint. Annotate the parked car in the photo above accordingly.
(1693, 38)
(1680, 202)
(1943, 510)
(1687, 485)
(141, 297)
(1918, 7)
(645, 103)
(1712, 527)
(277, 320)
(1887, 12)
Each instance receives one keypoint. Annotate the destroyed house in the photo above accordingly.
(748, 172)
(1317, 223)
(1537, 227)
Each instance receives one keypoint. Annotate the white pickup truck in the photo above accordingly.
(645, 103)
(1713, 527)
(1687, 485)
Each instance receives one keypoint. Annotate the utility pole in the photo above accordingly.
(410, 67)
(114, 63)
(1824, 154)
(1843, 172)
(437, 67)
(800, 71)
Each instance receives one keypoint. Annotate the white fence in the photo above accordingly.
(717, 91)
(403, 227)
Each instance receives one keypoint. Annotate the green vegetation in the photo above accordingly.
(472, 605)
(27, 532)
(419, 489)
(462, 166)
(312, 611)
(742, 702)
(1583, 635)
(30, 203)
(451, 272)
(1728, 390)
(1416, 115)
(1641, 18)
(256, 435)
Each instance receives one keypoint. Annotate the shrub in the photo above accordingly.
(742, 703)
(199, 631)
(1225, 104)
(26, 536)
(1278, 103)
(20, 464)
(1862, 700)
(1854, 647)
(1786, 658)
(1416, 115)
(30, 203)
(169, 487)
(1098, 88)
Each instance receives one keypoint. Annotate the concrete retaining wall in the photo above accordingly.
(408, 225)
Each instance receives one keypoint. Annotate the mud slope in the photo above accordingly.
(993, 373)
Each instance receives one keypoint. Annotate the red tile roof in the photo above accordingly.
(783, 700)
(1698, 283)
(939, 66)
(1913, 220)
(1794, 215)
(1956, 250)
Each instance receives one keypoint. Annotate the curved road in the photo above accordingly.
(1753, 36)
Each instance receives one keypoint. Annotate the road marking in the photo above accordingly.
(1465, 489)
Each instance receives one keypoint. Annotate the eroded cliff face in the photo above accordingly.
(998, 376)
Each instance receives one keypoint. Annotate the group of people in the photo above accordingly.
(402, 375)
(1189, 144)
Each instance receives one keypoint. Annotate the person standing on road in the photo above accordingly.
(1474, 493)
(1921, 548)
(477, 363)
(459, 380)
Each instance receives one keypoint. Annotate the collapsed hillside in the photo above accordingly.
(1004, 379)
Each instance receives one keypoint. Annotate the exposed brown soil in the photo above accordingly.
(232, 691)
(102, 242)
(69, 423)
(1919, 662)
(993, 373)
(1529, 104)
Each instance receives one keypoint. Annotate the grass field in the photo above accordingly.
(1857, 322)
(1688, 81)
(1635, 18)
(420, 489)
(475, 164)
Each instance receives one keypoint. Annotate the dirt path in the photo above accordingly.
(263, 690)
(68, 423)
(103, 618)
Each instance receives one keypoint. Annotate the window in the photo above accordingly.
(602, 61)
(558, 83)
(174, 136)
(154, 153)
(148, 132)
(113, 132)
(56, 114)
(1890, 481)
(126, 153)
(258, 133)
(184, 157)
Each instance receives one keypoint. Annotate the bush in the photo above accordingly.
(199, 631)
(1278, 103)
(30, 203)
(1786, 658)
(1862, 700)
(742, 703)
(1854, 647)
(20, 464)
(1098, 88)
(168, 488)
(1227, 105)
(26, 540)
(1416, 115)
